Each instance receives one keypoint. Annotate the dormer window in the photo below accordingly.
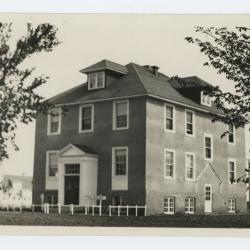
(206, 100)
(96, 80)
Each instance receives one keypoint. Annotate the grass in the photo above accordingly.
(202, 221)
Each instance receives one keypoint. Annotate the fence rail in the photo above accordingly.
(90, 209)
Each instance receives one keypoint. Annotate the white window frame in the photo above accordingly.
(208, 99)
(211, 191)
(96, 80)
(165, 117)
(228, 169)
(186, 166)
(92, 118)
(47, 162)
(113, 161)
(188, 209)
(234, 136)
(231, 208)
(174, 162)
(212, 147)
(59, 110)
(168, 203)
(114, 115)
(193, 116)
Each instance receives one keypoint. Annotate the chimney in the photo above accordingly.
(155, 70)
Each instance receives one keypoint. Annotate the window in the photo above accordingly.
(169, 118)
(231, 170)
(189, 205)
(52, 163)
(231, 134)
(169, 163)
(54, 122)
(96, 80)
(86, 118)
(169, 205)
(189, 123)
(206, 99)
(231, 205)
(120, 161)
(121, 115)
(72, 169)
(208, 147)
(52, 199)
(190, 166)
(208, 193)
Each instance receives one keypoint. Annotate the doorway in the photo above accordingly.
(71, 184)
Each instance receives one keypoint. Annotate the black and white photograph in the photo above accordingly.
(118, 120)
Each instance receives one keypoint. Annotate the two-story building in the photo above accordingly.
(137, 137)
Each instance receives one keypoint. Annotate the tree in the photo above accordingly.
(19, 101)
(228, 52)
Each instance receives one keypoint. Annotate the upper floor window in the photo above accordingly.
(96, 80)
(169, 162)
(208, 147)
(54, 121)
(189, 130)
(206, 99)
(169, 118)
(121, 114)
(231, 134)
(120, 161)
(52, 163)
(190, 166)
(231, 170)
(86, 118)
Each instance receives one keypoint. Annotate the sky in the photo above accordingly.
(122, 38)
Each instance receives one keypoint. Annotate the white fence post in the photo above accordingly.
(145, 210)
(93, 210)
(71, 207)
(33, 208)
(100, 210)
(59, 208)
(109, 210)
(127, 210)
(136, 210)
(118, 210)
(86, 211)
(47, 208)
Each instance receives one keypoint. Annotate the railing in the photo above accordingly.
(88, 209)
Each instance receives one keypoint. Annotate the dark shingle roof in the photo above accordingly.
(191, 81)
(105, 64)
(138, 81)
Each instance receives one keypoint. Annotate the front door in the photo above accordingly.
(208, 198)
(71, 184)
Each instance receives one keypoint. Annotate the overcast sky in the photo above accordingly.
(87, 39)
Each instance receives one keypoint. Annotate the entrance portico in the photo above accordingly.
(77, 175)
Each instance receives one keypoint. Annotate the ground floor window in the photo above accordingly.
(189, 205)
(119, 201)
(169, 205)
(52, 199)
(231, 205)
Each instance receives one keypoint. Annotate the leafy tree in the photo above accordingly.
(228, 52)
(19, 103)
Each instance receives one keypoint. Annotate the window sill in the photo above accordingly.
(85, 131)
(123, 128)
(169, 131)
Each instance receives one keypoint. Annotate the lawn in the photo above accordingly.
(209, 221)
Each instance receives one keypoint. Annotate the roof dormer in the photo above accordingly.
(103, 73)
(206, 99)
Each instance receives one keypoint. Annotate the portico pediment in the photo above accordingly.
(74, 150)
